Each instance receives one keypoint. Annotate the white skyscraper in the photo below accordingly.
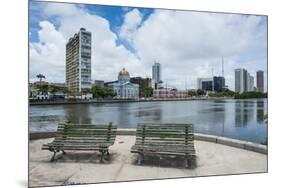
(241, 80)
(251, 83)
(156, 73)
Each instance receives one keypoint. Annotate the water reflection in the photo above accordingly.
(244, 112)
(78, 114)
(260, 111)
(241, 119)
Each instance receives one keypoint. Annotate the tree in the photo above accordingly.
(43, 88)
(86, 90)
(200, 92)
(191, 93)
(40, 76)
(102, 92)
(250, 94)
(146, 92)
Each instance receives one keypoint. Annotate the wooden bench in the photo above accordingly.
(82, 137)
(165, 140)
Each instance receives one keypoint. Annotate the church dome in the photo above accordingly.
(124, 72)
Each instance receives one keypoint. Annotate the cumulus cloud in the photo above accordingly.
(107, 57)
(47, 55)
(187, 44)
(190, 44)
(132, 21)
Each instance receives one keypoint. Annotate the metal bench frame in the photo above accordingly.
(165, 140)
(82, 137)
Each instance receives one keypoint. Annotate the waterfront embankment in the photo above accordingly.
(59, 102)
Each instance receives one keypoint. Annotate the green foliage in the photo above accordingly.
(86, 90)
(225, 93)
(101, 92)
(191, 93)
(40, 76)
(54, 89)
(200, 92)
(250, 94)
(146, 92)
(43, 88)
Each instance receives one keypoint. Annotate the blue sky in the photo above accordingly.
(188, 44)
(114, 14)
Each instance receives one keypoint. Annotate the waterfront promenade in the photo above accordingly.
(215, 156)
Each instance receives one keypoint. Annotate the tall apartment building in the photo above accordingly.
(260, 82)
(156, 73)
(251, 86)
(205, 84)
(215, 84)
(241, 80)
(78, 61)
(219, 83)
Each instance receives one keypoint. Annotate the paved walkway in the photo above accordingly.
(84, 167)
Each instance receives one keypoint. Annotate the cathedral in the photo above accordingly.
(123, 87)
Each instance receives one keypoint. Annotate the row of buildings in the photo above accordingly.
(78, 70)
(245, 82)
(213, 84)
(78, 75)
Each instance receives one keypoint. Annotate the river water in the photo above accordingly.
(239, 119)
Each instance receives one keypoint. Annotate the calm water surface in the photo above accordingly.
(240, 119)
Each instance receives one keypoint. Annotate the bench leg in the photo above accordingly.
(190, 161)
(53, 157)
(140, 158)
(102, 156)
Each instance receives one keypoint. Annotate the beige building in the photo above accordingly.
(78, 62)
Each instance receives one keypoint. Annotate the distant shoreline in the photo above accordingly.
(122, 101)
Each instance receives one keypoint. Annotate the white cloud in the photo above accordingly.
(190, 44)
(46, 55)
(132, 21)
(187, 44)
(107, 58)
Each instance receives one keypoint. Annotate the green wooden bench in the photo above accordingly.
(165, 140)
(82, 137)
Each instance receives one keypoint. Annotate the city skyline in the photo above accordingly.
(185, 53)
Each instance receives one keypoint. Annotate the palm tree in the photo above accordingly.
(40, 76)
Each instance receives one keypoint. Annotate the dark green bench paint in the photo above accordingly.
(165, 140)
(82, 137)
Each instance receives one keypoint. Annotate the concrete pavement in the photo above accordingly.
(84, 167)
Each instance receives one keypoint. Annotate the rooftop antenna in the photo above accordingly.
(222, 67)
(212, 79)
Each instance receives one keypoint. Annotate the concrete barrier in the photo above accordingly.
(205, 137)
(198, 136)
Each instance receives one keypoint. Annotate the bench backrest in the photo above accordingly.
(164, 134)
(86, 133)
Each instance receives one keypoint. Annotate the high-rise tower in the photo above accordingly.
(78, 61)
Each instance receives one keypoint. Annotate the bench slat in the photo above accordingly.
(164, 139)
(82, 137)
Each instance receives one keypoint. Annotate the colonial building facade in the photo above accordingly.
(123, 87)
